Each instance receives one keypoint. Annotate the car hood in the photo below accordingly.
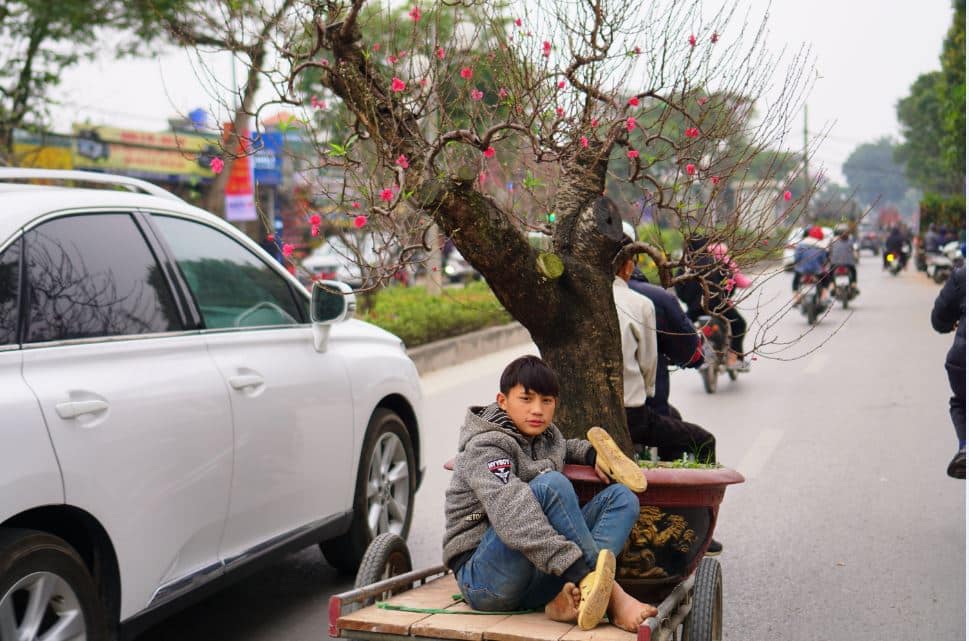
(357, 330)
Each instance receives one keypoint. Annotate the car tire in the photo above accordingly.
(384, 491)
(45, 584)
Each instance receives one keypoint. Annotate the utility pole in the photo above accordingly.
(807, 175)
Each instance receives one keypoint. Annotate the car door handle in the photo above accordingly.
(73, 409)
(242, 381)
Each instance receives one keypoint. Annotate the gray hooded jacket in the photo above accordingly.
(490, 488)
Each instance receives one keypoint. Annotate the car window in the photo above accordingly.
(9, 293)
(91, 276)
(232, 286)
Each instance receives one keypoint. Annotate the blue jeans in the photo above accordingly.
(498, 578)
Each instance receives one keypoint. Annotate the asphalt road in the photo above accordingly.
(847, 527)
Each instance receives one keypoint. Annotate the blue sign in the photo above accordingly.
(268, 159)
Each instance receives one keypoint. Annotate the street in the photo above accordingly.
(847, 527)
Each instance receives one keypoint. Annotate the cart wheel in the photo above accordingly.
(705, 620)
(387, 556)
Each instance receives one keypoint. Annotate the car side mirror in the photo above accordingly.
(330, 302)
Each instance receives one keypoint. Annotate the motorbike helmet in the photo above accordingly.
(816, 233)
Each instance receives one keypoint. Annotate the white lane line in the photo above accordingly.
(760, 452)
(817, 363)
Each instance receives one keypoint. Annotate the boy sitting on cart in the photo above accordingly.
(515, 536)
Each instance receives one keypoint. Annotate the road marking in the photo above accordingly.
(760, 452)
(817, 363)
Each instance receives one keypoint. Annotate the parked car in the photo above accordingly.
(870, 239)
(356, 261)
(794, 237)
(175, 407)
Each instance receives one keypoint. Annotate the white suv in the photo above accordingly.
(173, 406)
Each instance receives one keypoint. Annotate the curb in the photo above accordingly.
(459, 349)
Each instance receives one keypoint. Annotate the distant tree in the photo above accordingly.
(39, 39)
(834, 204)
(933, 119)
(874, 175)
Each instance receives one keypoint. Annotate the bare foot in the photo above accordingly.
(626, 611)
(565, 606)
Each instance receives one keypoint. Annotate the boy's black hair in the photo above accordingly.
(532, 373)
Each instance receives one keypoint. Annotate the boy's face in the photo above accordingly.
(530, 411)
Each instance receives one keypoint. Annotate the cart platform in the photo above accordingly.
(435, 589)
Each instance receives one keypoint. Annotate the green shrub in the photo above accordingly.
(418, 317)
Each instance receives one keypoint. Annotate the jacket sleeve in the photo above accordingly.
(579, 451)
(646, 350)
(513, 511)
(681, 342)
(947, 309)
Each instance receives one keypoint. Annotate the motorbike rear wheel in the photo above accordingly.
(710, 375)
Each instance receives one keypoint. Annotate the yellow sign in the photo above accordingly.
(142, 152)
(42, 157)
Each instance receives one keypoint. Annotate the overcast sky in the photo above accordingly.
(868, 53)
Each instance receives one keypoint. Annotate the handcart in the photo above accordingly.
(663, 563)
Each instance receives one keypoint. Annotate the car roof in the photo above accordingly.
(25, 203)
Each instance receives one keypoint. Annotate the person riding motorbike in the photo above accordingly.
(810, 257)
(948, 314)
(843, 255)
(894, 244)
(719, 276)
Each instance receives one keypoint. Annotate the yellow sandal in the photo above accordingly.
(614, 463)
(596, 590)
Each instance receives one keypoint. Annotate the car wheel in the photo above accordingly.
(46, 592)
(384, 495)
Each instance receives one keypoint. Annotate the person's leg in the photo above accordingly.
(957, 403)
(640, 432)
(738, 327)
(674, 438)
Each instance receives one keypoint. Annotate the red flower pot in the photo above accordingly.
(678, 513)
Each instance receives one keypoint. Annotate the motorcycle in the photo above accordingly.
(938, 266)
(715, 343)
(894, 263)
(843, 289)
(811, 305)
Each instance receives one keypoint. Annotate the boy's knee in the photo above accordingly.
(554, 482)
(622, 497)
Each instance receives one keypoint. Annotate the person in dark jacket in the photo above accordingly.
(948, 313)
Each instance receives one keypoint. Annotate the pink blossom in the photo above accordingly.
(634, 102)
(632, 153)
(561, 84)
(376, 46)
(355, 205)
(594, 122)
(584, 142)
(637, 51)
(477, 94)
(714, 37)
(359, 221)
(402, 161)
(630, 124)
(387, 195)
(546, 48)
(287, 250)
(787, 195)
(315, 219)
(559, 112)
(392, 59)
(440, 53)
(489, 152)
(466, 73)
(715, 179)
(692, 40)
(422, 82)
(690, 169)
(315, 230)
(397, 84)
(217, 164)
(729, 284)
(482, 177)
(691, 132)
(415, 13)
(270, 237)
(518, 22)
(502, 93)
(702, 100)
(402, 54)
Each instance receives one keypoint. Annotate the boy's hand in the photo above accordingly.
(602, 475)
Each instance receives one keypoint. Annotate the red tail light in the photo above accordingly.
(708, 330)
(841, 270)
